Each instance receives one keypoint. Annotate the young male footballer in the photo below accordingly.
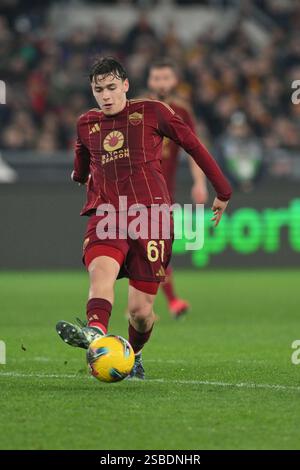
(162, 82)
(118, 156)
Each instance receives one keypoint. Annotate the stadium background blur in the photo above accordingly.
(237, 61)
(246, 64)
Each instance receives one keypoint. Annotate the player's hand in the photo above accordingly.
(218, 208)
(199, 193)
(80, 184)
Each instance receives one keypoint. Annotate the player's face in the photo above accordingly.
(110, 93)
(162, 81)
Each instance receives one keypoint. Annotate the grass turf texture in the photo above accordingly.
(201, 370)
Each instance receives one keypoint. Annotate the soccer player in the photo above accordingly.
(162, 83)
(118, 154)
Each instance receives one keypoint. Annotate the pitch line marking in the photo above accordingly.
(180, 382)
(73, 360)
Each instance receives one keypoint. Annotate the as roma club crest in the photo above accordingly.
(113, 141)
(135, 118)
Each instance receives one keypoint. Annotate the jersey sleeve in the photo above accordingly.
(81, 161)
(171, 125)
(189, 119)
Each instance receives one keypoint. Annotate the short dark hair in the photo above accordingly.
(107, 66)
(164, 62)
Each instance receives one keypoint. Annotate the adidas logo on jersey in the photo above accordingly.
(95, 128)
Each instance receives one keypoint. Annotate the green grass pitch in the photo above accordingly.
(220, 378)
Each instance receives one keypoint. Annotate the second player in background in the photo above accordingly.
(162, 82)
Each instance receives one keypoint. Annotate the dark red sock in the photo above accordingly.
(168, 286)
(98, 312)
(137, 339)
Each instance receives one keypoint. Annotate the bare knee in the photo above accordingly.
(102, 278)
(141, 309)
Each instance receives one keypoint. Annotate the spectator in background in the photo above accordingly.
(45, 75)
(140, 33)
(240, 154)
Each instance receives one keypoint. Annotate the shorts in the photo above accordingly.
(143, 258)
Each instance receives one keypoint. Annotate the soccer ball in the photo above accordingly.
(110, 358)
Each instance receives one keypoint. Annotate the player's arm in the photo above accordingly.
(172, 126)
(199, 189)
(81, 171)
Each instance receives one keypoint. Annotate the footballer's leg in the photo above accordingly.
(103, 271)
(177, 306)
(146, 262)
(141, 320)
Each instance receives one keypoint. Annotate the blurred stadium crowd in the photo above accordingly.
(236, 88)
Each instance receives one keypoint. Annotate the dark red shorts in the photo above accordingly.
(141, 259)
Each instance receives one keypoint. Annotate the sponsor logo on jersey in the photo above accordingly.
(113, 141)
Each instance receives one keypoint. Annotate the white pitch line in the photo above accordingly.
(180, 382)
(60, 361)
(226, 384)
(43, 376)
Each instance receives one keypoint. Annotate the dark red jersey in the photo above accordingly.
(171, 149)
(122, 154)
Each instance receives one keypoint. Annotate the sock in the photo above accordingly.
(168, 286)
(98, 312)
(137, 339)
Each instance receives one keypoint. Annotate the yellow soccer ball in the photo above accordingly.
(110, 358)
